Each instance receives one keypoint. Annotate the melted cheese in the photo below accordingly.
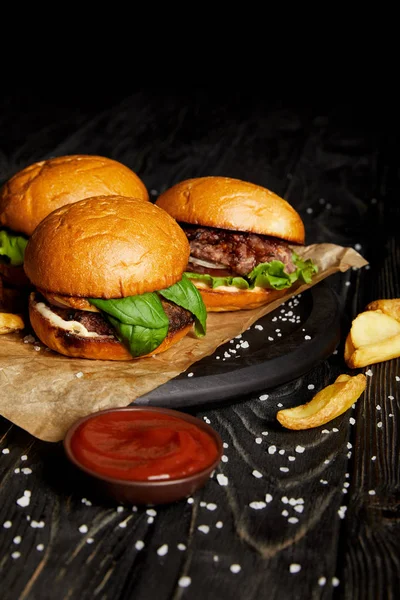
(72, 326)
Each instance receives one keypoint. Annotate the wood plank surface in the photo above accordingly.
(287, 515)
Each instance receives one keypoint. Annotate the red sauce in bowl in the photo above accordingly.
(143, 445)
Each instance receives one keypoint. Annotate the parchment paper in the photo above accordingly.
(44, 393)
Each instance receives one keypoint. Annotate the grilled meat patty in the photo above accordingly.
(238, 251)
(94, 321)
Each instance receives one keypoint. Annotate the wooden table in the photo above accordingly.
(328, 522)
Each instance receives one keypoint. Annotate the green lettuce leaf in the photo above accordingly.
(186, 295)
(12, 248)
(270, 275)
(140, 322)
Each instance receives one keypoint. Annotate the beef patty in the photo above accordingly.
(238, 251)
(94, 321)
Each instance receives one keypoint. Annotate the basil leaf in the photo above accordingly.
(186, 295)
(12, 247)
(140, 321)
(139, 340)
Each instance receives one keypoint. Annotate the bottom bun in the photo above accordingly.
(98, 348)
(222, 301)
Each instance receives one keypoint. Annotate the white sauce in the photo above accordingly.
(72, 326)
(226, 288)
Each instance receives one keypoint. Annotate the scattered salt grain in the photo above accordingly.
(25, 499)
(17, 539)
(24, 457)
(335, 581)
(299, 449)
(79, 374)
(83, 529)
(26, 471)
(379, 424)
(293, 520)
(219, 524)
(352, 421)
(184, 581)
(373, 457)
(15, 555)
(279, 405)
(139, 545)
(322, 581)
(235, 568)
(371, 492)
(369, 373)
(325, 431)
(258, 440)
(89, 540)
(271, 449)
(224, 458)
(222, 479)
(7, 524)
(294, 568)
(342, 512)
(190, 374)
(257, 505)
(225, 445)
(311, 386)
(291, 458)
(282, 452)
(307, 337)
(268, 498)
(162, 550)
(264, 397)
(190, 500)
(284, 469)
(40, 547)
(151, 512)
(203, 528)
(391, 397)
(181, 547)
(211, 506)
(299, 508)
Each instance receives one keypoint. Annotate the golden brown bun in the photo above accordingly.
(31, 194)
(106, 247)
(233, 204)
(217, 300)
(71, 345)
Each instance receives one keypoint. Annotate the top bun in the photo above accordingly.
(31, 194)
(229, 203)
(106, 247)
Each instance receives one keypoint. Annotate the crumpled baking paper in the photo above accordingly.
(45, 393)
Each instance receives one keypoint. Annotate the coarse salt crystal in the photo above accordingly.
(294, 568)
(83, 528)
(139, 545)
(203, 528)
(271, 449)
(162, 550)
(235, 568)
(299, 449)
(184, 581)
(79, 374)
(222, 479)
(257, 474)
(257, 505)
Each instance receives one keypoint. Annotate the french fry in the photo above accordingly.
(348, 349)
(390, 307)
(327, 404)
(9, 323)
(370, 327)
(375, 353)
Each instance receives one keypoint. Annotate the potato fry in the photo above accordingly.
(375, 353)
(372, 326)
(9, 323)
(390, 307)
(348, 349)
(327, 404)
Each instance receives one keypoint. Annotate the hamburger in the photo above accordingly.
(35, 191)
(109, 280)
(242, 241)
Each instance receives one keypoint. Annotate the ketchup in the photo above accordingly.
(143, 445)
